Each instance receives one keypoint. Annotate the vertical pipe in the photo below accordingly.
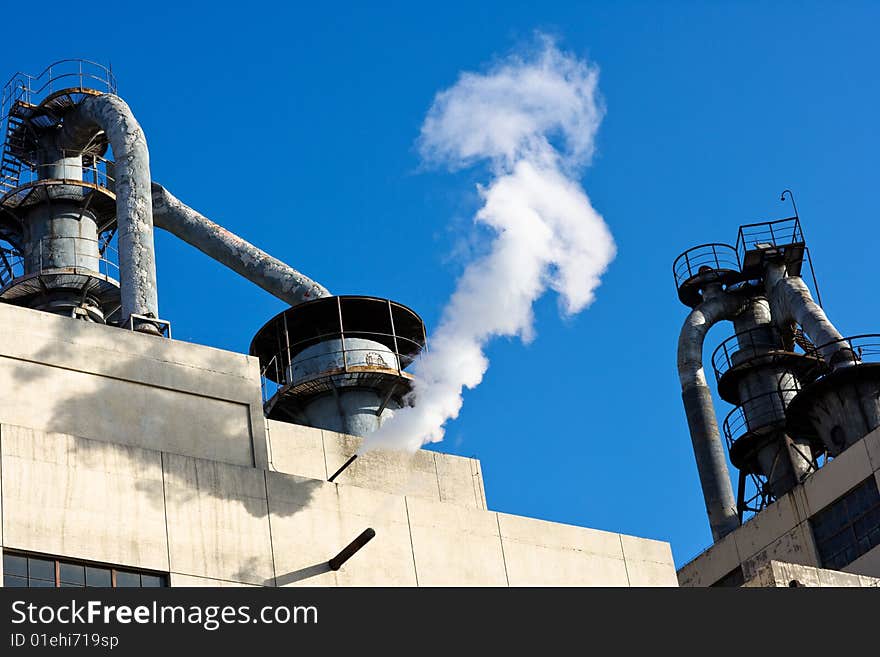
(134, 208)
(700, 411)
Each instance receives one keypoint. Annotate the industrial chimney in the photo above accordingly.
(801, 391)
(338, 363)
(335, 362)
(58, 205)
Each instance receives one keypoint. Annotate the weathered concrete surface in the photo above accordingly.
(454, 545)
(296, 449)
(141, 453)
(537, 552)
(317, 453)
(872, 445)
(218, 520)
(119, 386)
(761, 530)
(76, 497)
(180, 580)
(313, 520)
(827, 484)
(711, 565)
(782, 574)
(782, 531)
(230, 525)
(460, 480)
(648, 562)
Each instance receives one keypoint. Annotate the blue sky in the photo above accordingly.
(295, 127)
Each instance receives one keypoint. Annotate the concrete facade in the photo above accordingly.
(99, 382)
(782, 531)
(140, 452)
(777, 574)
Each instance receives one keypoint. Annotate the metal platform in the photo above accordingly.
(323, 346)
(702, 265)
(756, 348)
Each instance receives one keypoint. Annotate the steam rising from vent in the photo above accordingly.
(534, 119)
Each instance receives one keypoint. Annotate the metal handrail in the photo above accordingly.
(864, 347)
(780, 232)
(12, 262)
(108, 259)
(23, 87)
(751, 343)
(334, 335)
(276, 374)
(738, 422)
(715, 255)
(97, 171)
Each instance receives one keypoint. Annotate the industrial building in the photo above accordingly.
(804, 431)
(130, 458)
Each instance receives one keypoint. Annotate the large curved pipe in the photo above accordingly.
(790, 300)
(134, 210)
(244, 258)
(700, 411)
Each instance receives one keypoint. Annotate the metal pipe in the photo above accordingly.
(134, 213)
(344, 466)
(257, 266)
(697, 398)
(349, 550)
(790, 300)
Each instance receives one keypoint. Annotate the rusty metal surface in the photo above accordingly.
(700, 411)
(134, 210)
(254, 264)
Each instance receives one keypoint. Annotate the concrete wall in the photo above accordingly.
(128, 388)
(316, 453)
(781, 574)
(782, 530)
(209, 523)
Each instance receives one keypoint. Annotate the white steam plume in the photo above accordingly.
(534, 119)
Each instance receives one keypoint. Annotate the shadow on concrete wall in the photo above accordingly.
(66, 412)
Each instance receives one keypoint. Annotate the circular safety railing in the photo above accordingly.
(698, 259)
(65, 74)
(743, 347)
(701, 265)
(854, 350)
(334, 339)
(758, 413)
(81, 254)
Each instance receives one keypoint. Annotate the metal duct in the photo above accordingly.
(134, 214)
(790, 300)
(700, 411)
(257, 266)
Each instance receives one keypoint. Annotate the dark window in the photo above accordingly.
(31, 570)
(734, 578)
(849, 527)
(98, 576)
(128, 580)
(72, 574)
